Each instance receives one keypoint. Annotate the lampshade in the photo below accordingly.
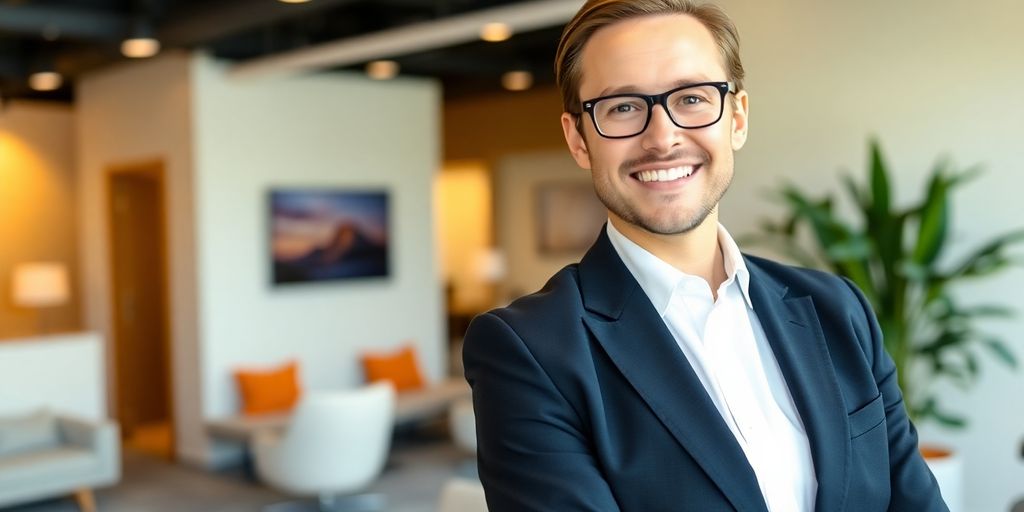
(489, 265)
(41, 284)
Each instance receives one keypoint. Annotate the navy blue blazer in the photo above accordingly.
(584, 402)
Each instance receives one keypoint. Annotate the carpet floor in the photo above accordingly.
(417, 469)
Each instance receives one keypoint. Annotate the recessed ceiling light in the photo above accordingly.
(517, 80)
(45, 80)
(495, 32)
(382, 69)
(140, 47)
(293, 1)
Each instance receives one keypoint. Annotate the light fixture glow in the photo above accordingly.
(140, 47)
(45, 80)
(495, 32)
(382, 69)
(517, 80)
(293, 1)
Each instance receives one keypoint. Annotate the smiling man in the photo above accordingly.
(667, 370)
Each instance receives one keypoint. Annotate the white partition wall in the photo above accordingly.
(63, 372)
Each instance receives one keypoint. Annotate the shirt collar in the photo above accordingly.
(658, 279)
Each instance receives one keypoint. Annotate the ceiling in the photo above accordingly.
(265, 36)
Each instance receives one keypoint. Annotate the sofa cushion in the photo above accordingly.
(35, 431)
(267, 391)
(401, 368)
(47, 465)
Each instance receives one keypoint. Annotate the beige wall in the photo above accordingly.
(463, 200)
(487, 127)
(518, 179)
(37, 208)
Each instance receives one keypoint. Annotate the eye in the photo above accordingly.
(691, 99)
(623, 107)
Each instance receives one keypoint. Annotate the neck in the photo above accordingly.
(695, 252)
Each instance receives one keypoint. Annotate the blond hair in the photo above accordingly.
(596, 14)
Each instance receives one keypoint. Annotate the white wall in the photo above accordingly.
(327, 130)
(133, 113)
(64, 373)
(929, 79)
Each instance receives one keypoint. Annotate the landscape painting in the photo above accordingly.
(324, 235)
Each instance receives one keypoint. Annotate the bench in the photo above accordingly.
(410, 407)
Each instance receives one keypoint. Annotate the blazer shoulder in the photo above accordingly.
(822, 286)
(559, 296)
(839, 303)
(549, 322)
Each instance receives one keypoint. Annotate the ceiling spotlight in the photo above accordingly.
(140, 47)
(382, 69)
(495, 32)
(293, 1)
(45, 80)
(517, 80)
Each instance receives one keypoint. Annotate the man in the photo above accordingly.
(667, 371)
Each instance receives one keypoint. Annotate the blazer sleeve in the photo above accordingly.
(911, 482)
(533, 454)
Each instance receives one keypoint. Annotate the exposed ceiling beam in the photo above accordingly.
(208, 23)
(414, 38)
(63, 22)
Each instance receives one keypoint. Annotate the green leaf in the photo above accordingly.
(880, 200)
(948, 419)
(931, 234)
(858, 196)
(963, 177)
(930, 409)
(988, 311)
(852, 249)
(971, 362)
(1001, 351)
(989, 258)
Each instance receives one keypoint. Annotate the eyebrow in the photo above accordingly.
(632, 89)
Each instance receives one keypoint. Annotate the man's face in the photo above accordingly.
(650, 55)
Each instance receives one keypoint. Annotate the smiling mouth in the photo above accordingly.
(663, 175)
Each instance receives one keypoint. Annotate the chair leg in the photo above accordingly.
(85, 500)
(352, 503)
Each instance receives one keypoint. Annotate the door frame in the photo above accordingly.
(154, 169)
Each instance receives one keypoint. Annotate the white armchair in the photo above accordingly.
(336, 444)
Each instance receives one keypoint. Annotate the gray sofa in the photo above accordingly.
(45, 456)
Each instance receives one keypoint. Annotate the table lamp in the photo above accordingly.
(41, 285)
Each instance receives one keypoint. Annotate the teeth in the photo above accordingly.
(665, 174)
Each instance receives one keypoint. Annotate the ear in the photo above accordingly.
(740, 117)
(574, 139)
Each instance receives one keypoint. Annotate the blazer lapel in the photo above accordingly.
(636, 339)
(792, 328)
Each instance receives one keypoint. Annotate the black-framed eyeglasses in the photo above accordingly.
(627, 115)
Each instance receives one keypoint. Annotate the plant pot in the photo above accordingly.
(948, 468)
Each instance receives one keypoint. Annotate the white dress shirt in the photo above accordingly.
(727, 348)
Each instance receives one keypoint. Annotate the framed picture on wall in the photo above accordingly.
(568, 216)
(328, 234)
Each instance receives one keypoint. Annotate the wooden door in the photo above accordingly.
(139, 289)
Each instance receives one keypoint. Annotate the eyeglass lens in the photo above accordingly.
(625, 115)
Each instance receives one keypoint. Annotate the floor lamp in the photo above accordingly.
(39, 286)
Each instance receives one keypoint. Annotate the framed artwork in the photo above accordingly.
(326, 235)
(568, 216)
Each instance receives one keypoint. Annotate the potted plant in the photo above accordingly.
(893, 256)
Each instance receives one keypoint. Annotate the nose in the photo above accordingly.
(661, 134)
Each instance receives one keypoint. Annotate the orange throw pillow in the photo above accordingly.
(266, 391)
(400, 368)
